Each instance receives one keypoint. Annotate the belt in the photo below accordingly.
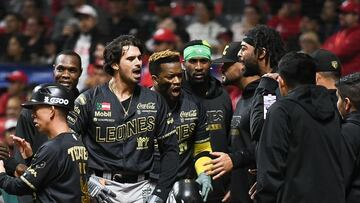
(121, 177)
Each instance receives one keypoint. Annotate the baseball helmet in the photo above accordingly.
(51, 94)
(187, 191)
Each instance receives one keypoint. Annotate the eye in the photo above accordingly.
(60, 69)
(203, 60)
(192, 61)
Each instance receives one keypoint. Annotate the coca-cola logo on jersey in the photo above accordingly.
(150, 105)
(184, 114)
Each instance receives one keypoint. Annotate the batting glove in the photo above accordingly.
(205, 183)
(98, 191)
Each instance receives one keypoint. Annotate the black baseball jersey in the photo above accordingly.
(242, 147)
(26, 129)
(125, 143)
(57, 172)
(191, 130)
(218, 108)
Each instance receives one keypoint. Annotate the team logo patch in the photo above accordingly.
(225, 50)
(104, 106)
(81, 99)
(334, 64)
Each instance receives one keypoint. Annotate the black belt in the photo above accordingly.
(121, 177)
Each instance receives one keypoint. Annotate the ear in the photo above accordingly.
(115, 66)
(282, 86)
(280, 81)
(262, 53)
(318, 78)
(155, 79)
(348, 105)
(52, 112)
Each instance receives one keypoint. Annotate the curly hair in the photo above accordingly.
(268, 38)
(349, 87)
(115, 50)
(157, 58)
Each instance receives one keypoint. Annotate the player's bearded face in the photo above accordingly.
(197, 69)
(41, 115)
(248, 58)
(169, 80)
(130, 64)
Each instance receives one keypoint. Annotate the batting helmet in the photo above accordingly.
(51, 94)
(187, 191)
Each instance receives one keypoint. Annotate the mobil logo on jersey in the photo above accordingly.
(103, 109)
(103, 106)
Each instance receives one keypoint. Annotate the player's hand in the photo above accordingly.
(4, 151)
(252, 191)
(98, 191)
(20, 169)
(220, 165)
(271, 75)
(2, 168)
(205, 183)
(226, 197)
(154, 199)
(23, 146)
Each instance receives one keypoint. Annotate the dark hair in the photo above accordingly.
(349, 87)
(197, 42)
(158, 58)
(16, 15)
(114, 50)
(255, 7)
(70, 53)
(268, 38)
(297, 69)
(330, 75)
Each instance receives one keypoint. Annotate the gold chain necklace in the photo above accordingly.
(126, 111)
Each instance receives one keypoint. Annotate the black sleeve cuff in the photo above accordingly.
(28, 160)
(242, 158)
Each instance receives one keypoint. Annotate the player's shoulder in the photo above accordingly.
(92, 93)
(190, 98)
(64, 140)
(148, 95)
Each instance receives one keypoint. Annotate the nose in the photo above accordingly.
(66, 74)
(198, 66)
(138, 61)
(177, 80)
(239, 54)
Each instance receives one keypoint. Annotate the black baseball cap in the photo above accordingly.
(230, 53)
(326, 61)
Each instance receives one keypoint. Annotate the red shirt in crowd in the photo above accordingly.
(346, 45)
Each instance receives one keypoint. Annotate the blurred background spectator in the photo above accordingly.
(17, 87)
(205, 27)
(345, 43)
(32, 32)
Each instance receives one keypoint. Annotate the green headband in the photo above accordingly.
(197, 51)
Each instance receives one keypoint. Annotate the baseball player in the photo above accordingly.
(217, 103)
(189, 118)
(67, 70)
(119, 122)
(57, 172)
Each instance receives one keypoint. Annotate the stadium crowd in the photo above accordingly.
(279, 37)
